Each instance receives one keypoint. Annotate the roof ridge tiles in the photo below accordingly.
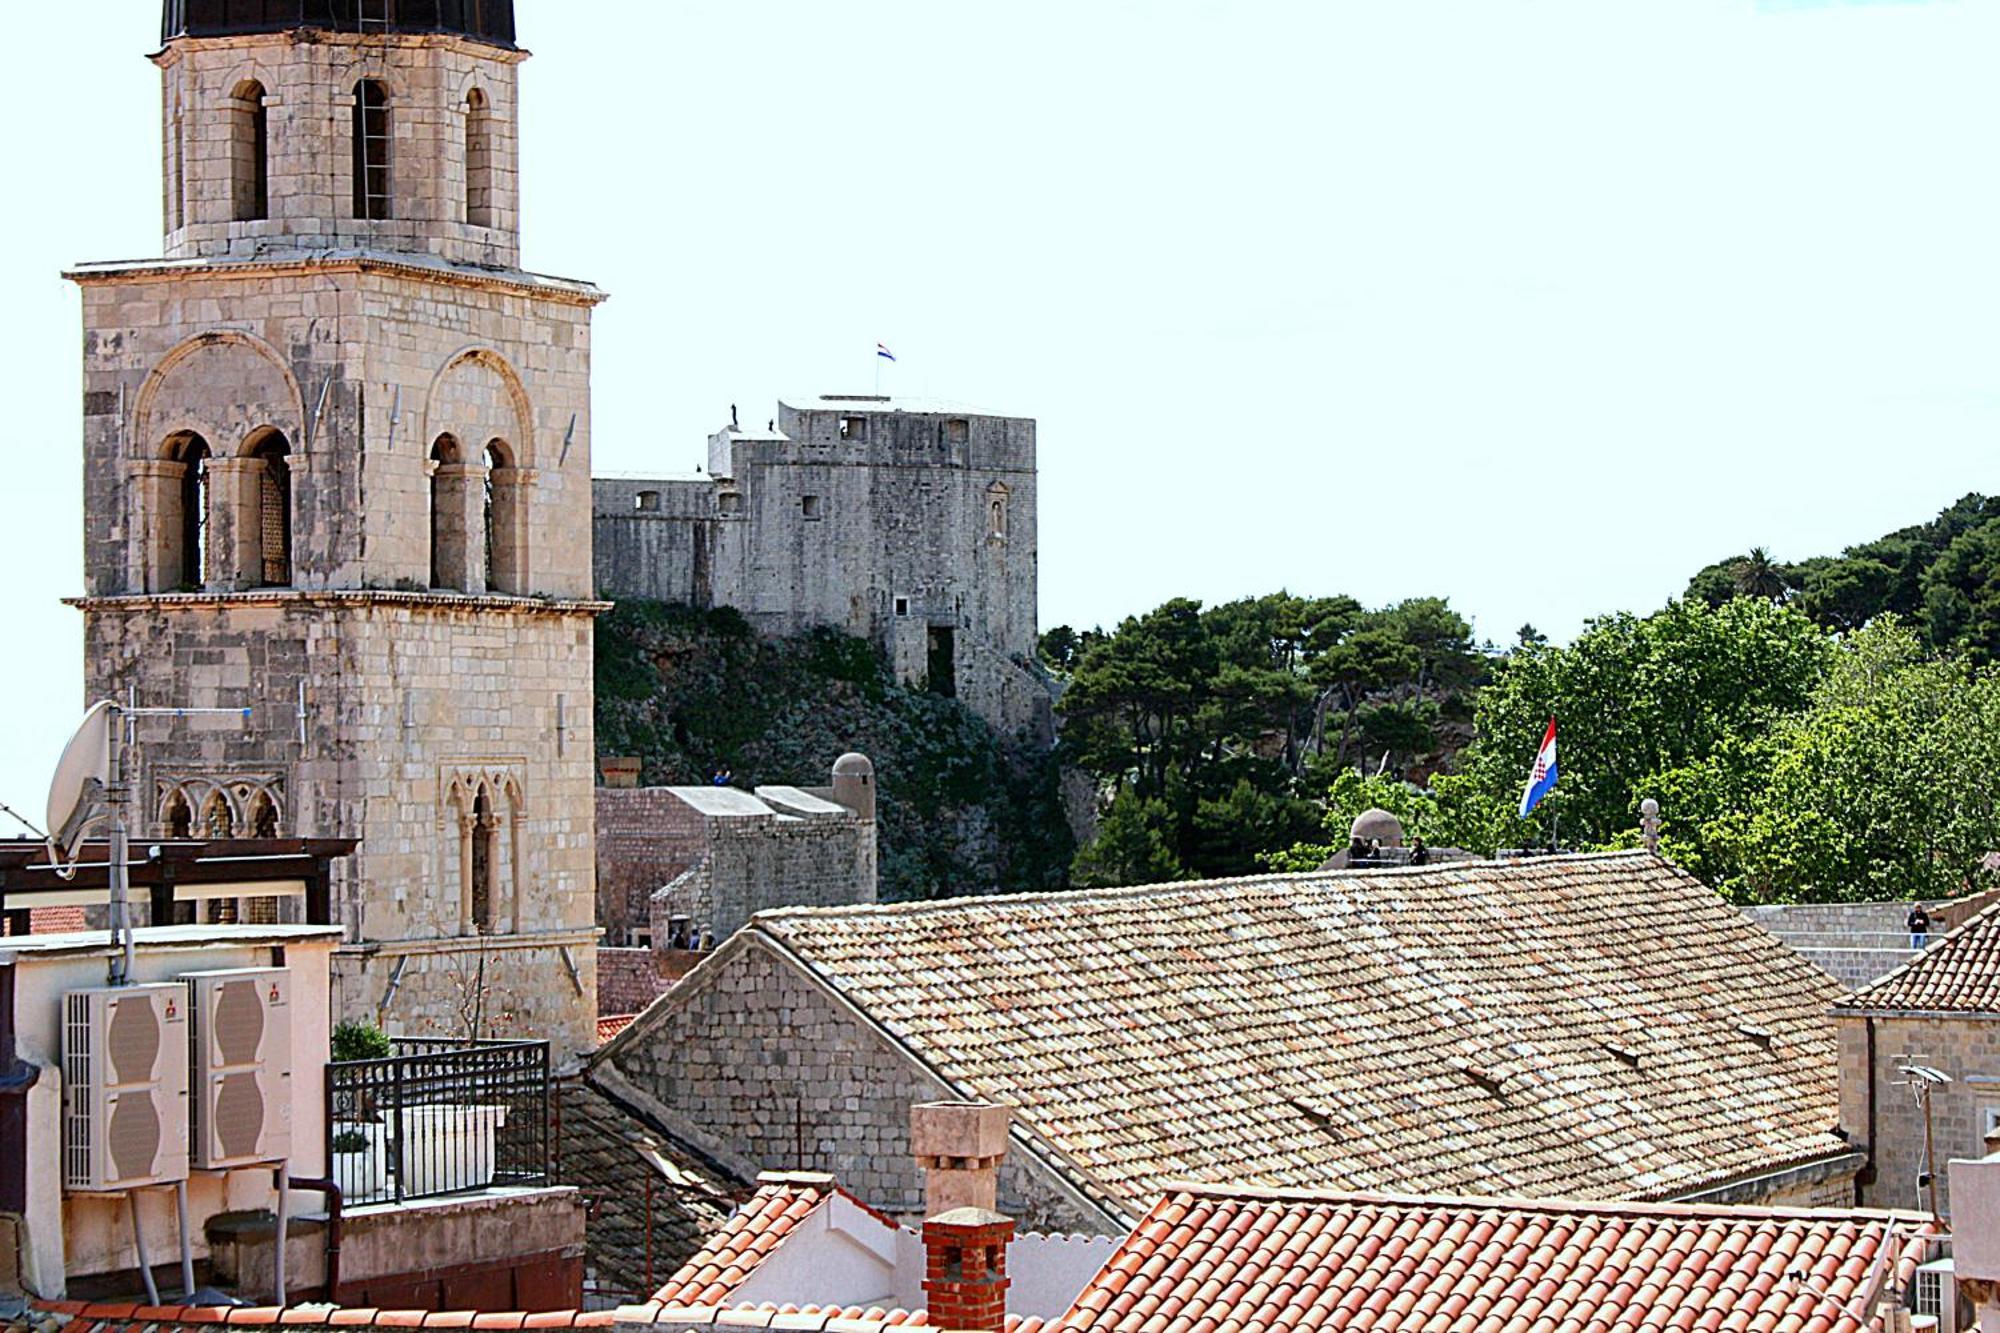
(1446, 870)
(1553, 1207)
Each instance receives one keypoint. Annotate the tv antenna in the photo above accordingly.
(90, 788)
(1922, 1080)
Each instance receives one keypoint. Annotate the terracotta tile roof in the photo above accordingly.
(610, 1155)
(611, 1025)
(732, 1253)
(1958, 974)
(831, 1318)
(1596, 1026)
(1208, 1258)
(78, 1317)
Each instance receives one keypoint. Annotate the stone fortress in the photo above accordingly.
(906, 522)
(337, 472)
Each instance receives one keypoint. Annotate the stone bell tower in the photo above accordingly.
(337, 471)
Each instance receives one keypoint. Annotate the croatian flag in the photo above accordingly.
(884, 352)
(1543, 780)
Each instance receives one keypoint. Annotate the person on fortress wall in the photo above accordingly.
(1919, 922)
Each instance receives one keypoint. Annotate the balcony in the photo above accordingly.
(438, 1118)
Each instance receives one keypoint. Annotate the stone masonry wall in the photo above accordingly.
(646, 837)
(405, 696)
(754, 865)
(1966, 1049)
(760, 1065)
(308, 85)
(627, 980)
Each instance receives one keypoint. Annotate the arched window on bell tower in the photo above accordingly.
(448, 535)
(274, 511)
(372, 143)
(249, 153)
(184, 517)
(479, 202)
(503, 521)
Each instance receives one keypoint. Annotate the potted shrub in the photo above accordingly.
(360, 1162)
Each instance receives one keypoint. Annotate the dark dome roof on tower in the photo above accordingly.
(482, 20)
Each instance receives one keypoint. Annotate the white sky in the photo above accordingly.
(1537, 304)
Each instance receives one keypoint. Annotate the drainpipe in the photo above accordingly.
(1866, 1175)
(332, 1192)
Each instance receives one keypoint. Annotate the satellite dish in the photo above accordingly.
(76, 794)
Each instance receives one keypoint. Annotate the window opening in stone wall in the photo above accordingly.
(177, 169)
(217, 821)
(942, 666)
(371, 151)
(249, 153)
(730, 503)
(479, 208)
(185, 538)
(274, 511)
(957, 431)
(446, 555)
(809, 506)
(902, 606)
(484, 832)
(179, 822)
(854, 428)
(502, 522)
(647, 502)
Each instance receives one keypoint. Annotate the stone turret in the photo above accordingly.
(854, 784)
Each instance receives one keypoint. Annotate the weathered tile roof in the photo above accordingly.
(1959, 974)
(1597, 1026)
(610, 1025)
(813, 1318)
(611, 1156)
(1208, 1258)
(78, 1317)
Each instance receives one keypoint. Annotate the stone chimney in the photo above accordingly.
(620, 770)
(960, 1146)
(1649, 824)
(965, 1270)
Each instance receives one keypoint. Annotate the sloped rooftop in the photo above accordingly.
(1592, 1027)
(1217, 1258)
(1960, 974)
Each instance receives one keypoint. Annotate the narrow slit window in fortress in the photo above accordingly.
(809, 505)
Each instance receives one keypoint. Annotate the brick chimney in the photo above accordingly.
(620, 770)
(960, 1146)
(965, 1270)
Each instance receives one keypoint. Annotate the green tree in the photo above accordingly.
(1130, 847)
(1962, 593)
(1882, 788)
(1639, 701)
(1757, 575)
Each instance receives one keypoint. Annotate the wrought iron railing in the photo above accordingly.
(438, 1117)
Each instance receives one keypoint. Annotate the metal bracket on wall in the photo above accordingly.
(575, 977)
(395, 983)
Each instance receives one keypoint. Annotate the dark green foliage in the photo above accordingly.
(694, 693)
(356, 1040)
(1216, 729)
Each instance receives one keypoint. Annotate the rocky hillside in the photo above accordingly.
(694, 693)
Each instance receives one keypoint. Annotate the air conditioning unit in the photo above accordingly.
(1937, 1293)
(125, 1087)
(240, 1066)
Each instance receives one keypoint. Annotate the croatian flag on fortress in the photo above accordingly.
(1543, 780)
(883, 352)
